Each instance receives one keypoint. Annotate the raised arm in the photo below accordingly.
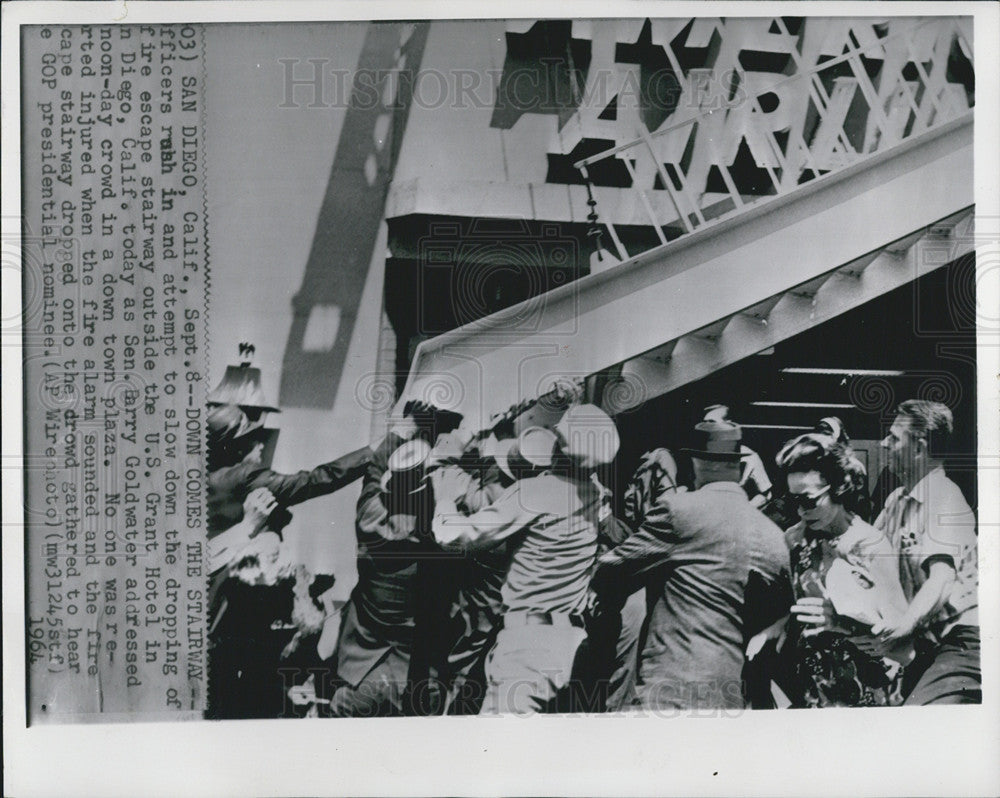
(301, 486)
(484, 529)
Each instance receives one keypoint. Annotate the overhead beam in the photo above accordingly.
(792, 314)
(713, 273)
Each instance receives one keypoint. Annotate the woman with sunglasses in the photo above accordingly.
(845, 578)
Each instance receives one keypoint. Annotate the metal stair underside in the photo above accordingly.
(760, 326)
(729, 289)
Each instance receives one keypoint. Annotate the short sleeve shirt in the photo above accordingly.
(753, 476)
(934, 522)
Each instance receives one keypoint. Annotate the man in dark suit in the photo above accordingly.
(717, 573)
(377, 633)
(388, 657)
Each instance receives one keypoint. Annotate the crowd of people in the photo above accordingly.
(496, 576)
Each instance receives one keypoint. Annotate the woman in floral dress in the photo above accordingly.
(845, 576)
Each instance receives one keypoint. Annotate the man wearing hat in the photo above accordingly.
(717, 573)
(376, 635)
(753, 475)
(551, 521)
(380, 636)
(235, 470)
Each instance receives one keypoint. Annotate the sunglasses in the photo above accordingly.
(806, 501)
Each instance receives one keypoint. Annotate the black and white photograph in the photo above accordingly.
(633, 365)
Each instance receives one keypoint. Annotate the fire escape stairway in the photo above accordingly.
(730, 288)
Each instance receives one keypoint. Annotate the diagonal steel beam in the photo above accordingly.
(792, 313)
(708, 275)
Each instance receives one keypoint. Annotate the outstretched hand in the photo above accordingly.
(257, 508)
(815, 615)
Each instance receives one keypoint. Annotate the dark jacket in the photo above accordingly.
(406, 585)
(380, 617)
(717, 573)
(228, 487)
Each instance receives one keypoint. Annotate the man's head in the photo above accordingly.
(716, 455)
(232, 437)
(706, 471)
(716, 413)
(917, 438)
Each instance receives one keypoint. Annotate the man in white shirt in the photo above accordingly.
(551, 520)
(933, 529)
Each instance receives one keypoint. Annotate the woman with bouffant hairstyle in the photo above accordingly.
(833, 460)
(845, 578)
